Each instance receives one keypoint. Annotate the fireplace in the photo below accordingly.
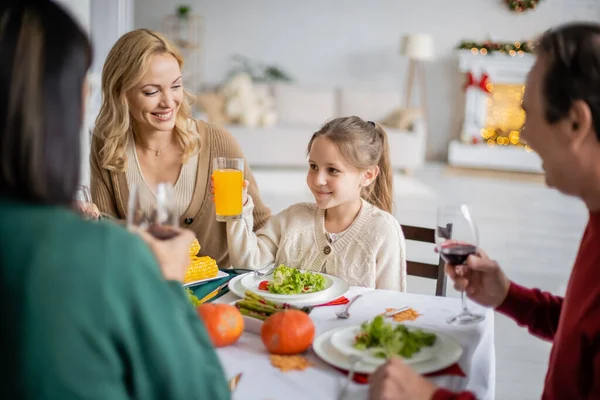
(490, 134)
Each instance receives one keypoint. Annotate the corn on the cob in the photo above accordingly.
(201, 268)
(194, 248)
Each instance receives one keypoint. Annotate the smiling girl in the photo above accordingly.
(349, 231)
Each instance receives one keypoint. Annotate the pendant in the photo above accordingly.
(158, 153)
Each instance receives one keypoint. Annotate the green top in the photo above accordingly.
(86, 314)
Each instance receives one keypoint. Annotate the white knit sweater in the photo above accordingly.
(370, 253)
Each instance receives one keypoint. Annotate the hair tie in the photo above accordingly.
(371, 123)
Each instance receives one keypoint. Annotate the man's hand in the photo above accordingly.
(397, 381)
(481, 278)
(172, 254)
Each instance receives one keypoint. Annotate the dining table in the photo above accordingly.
(474, 371)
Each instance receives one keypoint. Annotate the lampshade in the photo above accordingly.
(418, 46)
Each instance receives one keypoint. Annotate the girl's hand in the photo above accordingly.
(244, 191)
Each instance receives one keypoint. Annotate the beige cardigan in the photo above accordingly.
(371, 252)
(110, 192)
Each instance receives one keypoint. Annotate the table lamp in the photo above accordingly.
(418, 48)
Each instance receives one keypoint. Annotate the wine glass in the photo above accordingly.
(83, 201)
(155, 213)
(457, 238)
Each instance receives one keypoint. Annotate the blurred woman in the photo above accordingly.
(85, 307)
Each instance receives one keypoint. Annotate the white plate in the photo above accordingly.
(252, 281)
(449, 352)
(220, 275)
(343, 341)
(338, 289)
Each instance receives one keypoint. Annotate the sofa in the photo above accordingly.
(302, 109)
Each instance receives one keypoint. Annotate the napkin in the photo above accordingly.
(454, 369)
(336, 302)
(206, 288)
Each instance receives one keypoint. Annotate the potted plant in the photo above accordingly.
(183, 12)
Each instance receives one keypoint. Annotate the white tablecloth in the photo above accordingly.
(261, 381)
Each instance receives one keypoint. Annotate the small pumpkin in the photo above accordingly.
(287, 332)
(223, 322)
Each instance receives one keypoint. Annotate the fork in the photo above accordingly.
(233, 382)
(353, 360)
(260, 272)
(345, 314)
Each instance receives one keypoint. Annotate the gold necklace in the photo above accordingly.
(157, 152)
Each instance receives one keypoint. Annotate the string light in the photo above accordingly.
(488, 47)
(505, 117)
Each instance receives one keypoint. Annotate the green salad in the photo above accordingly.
(287, 280)
(386, 340)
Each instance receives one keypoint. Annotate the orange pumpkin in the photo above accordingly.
(288, 332)
(223, 322)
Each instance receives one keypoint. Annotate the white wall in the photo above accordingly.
(110, 19)
(356, 42)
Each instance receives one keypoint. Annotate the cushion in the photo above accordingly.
(306, 106)
(403, 119)
(369, 104)
(213, 105)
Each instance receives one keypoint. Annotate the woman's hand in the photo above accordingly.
(87, 210)
(244, 191)
(172, 254)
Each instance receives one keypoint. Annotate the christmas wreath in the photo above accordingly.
(521, 5)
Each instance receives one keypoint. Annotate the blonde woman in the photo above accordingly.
(144, 134)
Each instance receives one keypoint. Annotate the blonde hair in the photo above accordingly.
(363, 144)
(126, 63)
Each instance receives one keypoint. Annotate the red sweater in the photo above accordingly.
(572, 323)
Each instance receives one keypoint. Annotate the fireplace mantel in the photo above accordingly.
(494, 68)
(501, 68)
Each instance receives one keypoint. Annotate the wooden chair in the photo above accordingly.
(425, 270)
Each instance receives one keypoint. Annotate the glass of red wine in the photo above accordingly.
(158, 216)
(457, 238)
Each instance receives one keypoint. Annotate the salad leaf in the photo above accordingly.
(192, 297)
(385, 340)
(287, 280)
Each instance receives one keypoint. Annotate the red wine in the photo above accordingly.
(162, 232)
(457, 254)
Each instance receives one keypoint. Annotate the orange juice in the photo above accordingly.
(228, 193)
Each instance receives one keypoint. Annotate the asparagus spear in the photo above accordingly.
(256, 306)
(252, 314)
(262, 300)
(251, 296)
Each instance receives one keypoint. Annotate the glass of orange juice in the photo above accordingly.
(228, 180)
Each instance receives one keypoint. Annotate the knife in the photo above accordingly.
(396, 311)
(213, 293)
